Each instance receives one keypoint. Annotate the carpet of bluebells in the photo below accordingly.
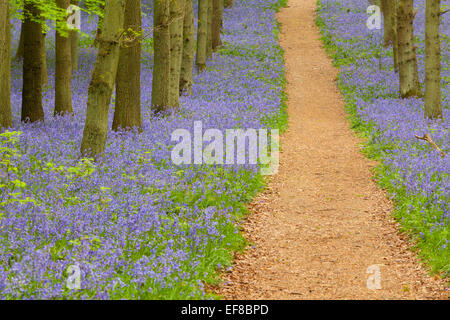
(415, 175)
(134, 224)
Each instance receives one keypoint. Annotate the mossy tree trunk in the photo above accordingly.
(202, 34)
(433, 102)
(103, 78)
(63, 68)
(161, 67)
(176, 50)
(127, 113)
(5, 66)
(33, 39)
(187, 62)
(217, 23)
(388, 30)
(209, 30)
(74, 43)
(408, 72)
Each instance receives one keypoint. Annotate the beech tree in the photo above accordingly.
(209, 30)
(187, 62)
(5, 65)
(63, 65)
(176, 47)
(32, 64)
(216, 23)
(103, 78)
(161, 60)
(127, 113)
(407, 59)
(74, 43)
(202, 31)
(433, 103)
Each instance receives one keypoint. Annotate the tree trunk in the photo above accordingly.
(209, 34)
(202, 32)
(98, 34)
(433, 103)
(386, 8)
(161, 66)
(176, 48)
(74, 44)
(127, 113)
(19, 52)
(44, 60)
(5, 66)
(103, 78)
(217, 23)
(32, 65)
(187, 62)
(394, 5)
(228, 3)
(19, 55)
(409, 77)
(63, 69)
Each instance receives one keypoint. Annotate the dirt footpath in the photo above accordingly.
(322, 222)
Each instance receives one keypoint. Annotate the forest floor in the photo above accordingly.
(322, 220)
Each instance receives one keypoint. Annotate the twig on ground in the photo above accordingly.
(427, 138)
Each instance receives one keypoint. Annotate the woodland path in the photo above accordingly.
(322, 220)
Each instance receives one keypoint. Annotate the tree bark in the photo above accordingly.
(176, 48)
(217, 23)
(5, 66)
(386, 8)
(19, 52)
(202, 32)
(127, 113)
(209, 31)
(32, 65)
(74, 44)
(103, 78)
(44, 60)
(394, 5)
(187, 62)
(63, 69)
(433, 102)
(409, 76)
(161, 66)
(228, 3)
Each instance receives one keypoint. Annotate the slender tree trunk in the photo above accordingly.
(44, 60)
(127, 113)
(433, 102)
(217, 23)
(209, 34)
(63, 69)
(19, 52)
(409, 77)
(176, 48)
(74, 44)
(187, 62)
(202, 32)
(103, 78)
(161, 67)
(394, 5)
(386, 8)
(228, 3)
(32, 65)
(5, 66)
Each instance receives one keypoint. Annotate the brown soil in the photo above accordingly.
(322, 221)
